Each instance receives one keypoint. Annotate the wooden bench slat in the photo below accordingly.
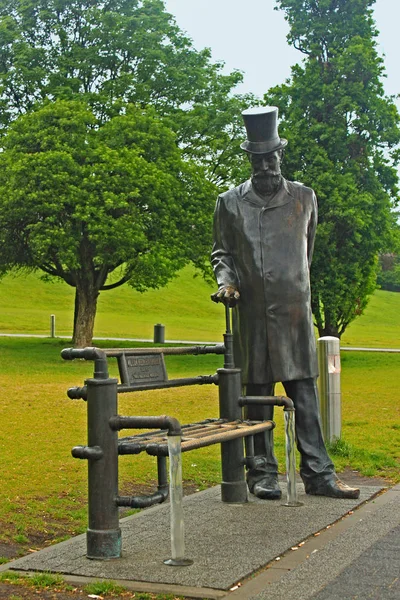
(195, 435)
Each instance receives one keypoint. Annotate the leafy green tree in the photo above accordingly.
(389, 261)
(109, 54)
(343, 133)
(85, 201)
(111, 51)
(389, 275)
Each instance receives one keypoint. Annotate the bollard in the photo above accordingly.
(329, 387)
(159, 334)
(52, 326)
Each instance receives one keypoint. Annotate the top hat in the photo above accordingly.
(262, 130)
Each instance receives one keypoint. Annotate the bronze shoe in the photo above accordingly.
(267, 489)
(333, 488)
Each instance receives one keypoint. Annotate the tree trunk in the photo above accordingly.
(329, 329)
(85, 313)
(76, 310)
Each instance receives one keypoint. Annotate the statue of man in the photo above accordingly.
(264, 232)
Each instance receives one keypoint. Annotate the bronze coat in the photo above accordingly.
(264, 248)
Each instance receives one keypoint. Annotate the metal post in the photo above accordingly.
(159, 334)
(103, 534)
(52, 326)
(233, 485)
(329, 387)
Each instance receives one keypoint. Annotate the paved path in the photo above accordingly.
(324, 550)
(196, 342)
(356, 559)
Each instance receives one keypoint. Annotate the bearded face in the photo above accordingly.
(266, 175)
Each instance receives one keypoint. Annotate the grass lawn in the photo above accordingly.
(183, 306)
(43, 492)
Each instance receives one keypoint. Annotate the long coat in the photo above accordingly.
(264, 248)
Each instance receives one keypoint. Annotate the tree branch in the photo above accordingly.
(112, 286)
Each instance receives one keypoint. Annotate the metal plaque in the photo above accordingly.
(146, 368)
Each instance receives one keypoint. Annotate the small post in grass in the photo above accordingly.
(159, 334)
(52, 326)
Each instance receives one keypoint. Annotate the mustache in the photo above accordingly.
(266, 174)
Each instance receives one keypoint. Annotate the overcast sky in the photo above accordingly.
(251, 36)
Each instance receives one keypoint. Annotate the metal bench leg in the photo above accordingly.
(103, 535)
(233, 485)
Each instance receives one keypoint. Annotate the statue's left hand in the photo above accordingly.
(227, 294)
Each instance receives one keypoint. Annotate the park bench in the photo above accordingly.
(143, 369)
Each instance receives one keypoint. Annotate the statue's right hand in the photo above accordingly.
(227, 294)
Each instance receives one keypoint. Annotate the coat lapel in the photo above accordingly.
(282, 196)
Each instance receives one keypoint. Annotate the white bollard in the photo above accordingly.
(329, 387)
(53, 326)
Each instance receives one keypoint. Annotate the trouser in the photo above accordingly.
(314, 460)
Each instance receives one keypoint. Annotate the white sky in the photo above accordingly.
(251, 36)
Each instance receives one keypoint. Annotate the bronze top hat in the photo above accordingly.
(262, 130)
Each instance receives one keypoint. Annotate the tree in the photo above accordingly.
(342, 134)
(111, 51)
(83, 200)
(389, 272)
(109, 54)
(389, 261)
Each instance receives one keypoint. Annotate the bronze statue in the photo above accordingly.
(264, 233)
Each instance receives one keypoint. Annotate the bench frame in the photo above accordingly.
(104, 446)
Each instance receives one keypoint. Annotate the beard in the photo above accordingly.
(266, 184)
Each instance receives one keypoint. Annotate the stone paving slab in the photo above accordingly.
(356, 559)
(374, 575)
(227, 542)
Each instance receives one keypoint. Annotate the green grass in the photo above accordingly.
(54, 584)
(43, 487)
(39, 581)
(379, 326)
(10, 577)
(44, 490)
(104, 587)
(45, 580)
(371, 412)
(183, 306)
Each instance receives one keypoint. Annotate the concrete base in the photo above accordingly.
(227, 543)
